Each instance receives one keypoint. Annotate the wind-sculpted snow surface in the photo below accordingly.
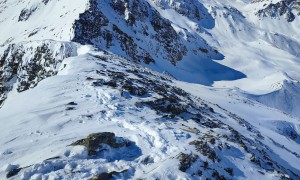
(286, 98)
(103, 116)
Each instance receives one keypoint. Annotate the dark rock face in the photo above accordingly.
(93, 27)
(13, 172)
(139, 31)
(103, 176)
(205, 149)
(88, 26)
(282, 8)
(45, 1)
(29, 63)
(134, 29)
(106, 176)
(95, 141)
(186, 161)
(134, 89)
(26, 13)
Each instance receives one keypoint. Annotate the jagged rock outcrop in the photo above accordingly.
(286, 8)
(136, 30)
(28, 63)
(94, 142)
(26, 13)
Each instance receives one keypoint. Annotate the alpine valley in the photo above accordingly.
(149, 89)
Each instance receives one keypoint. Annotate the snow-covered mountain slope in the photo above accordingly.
(26, 64)
(149, 89)
(285, 98)
(23, 20)
(163, 33)
(134, 30)
(169, 133)
(265, 49)
(287, 9)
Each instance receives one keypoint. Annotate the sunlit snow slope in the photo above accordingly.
(149, 89)
(172, 133)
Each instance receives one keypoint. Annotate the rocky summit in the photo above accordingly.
(149, 89)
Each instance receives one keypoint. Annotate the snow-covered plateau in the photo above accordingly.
(149, 89)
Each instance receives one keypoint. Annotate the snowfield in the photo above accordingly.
(41, 123)
(149, 89)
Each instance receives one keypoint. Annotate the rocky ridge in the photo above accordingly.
(288, 9)
(26, 64)
(161, 127)
(205, 152)
(136, 30)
